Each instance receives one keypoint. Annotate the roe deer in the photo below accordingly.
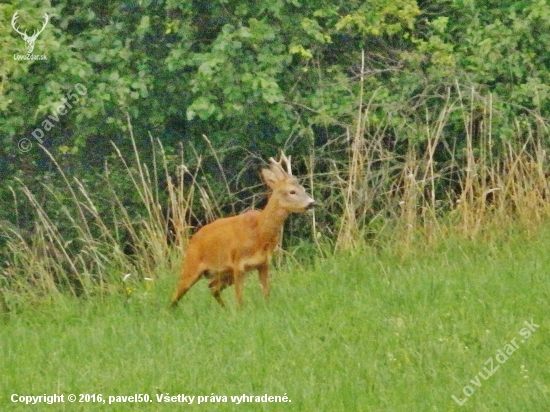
(227, 248)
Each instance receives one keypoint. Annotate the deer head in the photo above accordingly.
(291, 196)
(30, 40)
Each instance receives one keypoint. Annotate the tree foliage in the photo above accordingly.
(258, 75)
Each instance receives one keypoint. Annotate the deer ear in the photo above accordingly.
(269, 177)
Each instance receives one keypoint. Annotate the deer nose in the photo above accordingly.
(310, 204)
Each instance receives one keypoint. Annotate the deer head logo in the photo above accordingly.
(30, 40)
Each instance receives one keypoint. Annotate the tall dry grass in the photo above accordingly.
(434, 177)
(484, 181)
(76, 245)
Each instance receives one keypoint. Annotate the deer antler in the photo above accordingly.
(14, 18)
(279, 165)
(46, 19)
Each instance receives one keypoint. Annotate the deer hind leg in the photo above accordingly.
(190, 275)
(263, 272)
(218, 284)
(184, 284)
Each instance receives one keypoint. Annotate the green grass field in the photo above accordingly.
(372, 331)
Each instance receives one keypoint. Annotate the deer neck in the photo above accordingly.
(271, 221)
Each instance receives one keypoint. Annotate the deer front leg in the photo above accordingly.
(263, 272)
(238, 279)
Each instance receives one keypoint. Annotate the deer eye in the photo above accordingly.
(292, 192)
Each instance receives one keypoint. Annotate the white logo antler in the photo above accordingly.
(30, 40)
